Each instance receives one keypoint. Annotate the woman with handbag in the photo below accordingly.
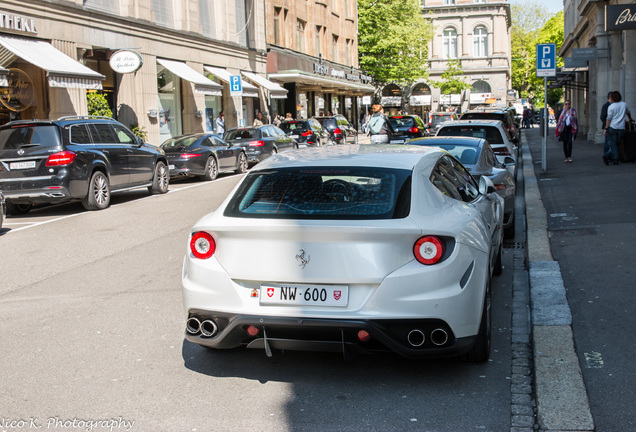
(567, 126)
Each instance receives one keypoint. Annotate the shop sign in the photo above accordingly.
(421, 100)
(126, 61)
(20, 93)
(321, 69)
(480, 98)
(17, 23)
(366, 78)
(620, 17)
(337, 73)
(391, 100)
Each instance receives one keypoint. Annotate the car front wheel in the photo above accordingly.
(161, 180)
(18, 209)
(98, 197)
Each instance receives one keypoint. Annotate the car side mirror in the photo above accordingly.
(486, 186)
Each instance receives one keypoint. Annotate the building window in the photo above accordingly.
(277, 12)
(348, 52)
(449, 2)
(450, 44)
(206, 18)
(318, 39)
(162, 10)
(480, 1)
(334, 48)
(481, 87)
(300, 35)
(480, 42)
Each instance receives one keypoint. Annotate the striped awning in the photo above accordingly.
(3, 77)
(62, 70)
(248, 89)
(275, 90)
(202, 85)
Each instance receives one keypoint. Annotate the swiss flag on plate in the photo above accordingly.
(270, 292)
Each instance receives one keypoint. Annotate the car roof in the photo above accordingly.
(63, 121)
(368, 155)
(478, 122)
(458, 140)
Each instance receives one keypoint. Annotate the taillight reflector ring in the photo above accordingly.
(202, 245)
(428, 250)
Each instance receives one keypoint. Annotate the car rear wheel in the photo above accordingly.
(242, 164)
(98, 197)
(211, 169)
(509, 232)
(161, 180)
(18, 209)
(480, 352)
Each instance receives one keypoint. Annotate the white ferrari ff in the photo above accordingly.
(352, 249)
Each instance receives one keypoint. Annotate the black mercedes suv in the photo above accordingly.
(75, 158)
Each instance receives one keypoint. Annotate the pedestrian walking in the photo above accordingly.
(220, 124)
(258, 121)
(566, 130)
(526, 118)
(379, 126)
(617, 114)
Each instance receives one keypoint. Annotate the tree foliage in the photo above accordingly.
(532, 25)
(453, 80)
(393, 40)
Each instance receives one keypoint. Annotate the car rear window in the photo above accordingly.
(323, 193)
(489, 133)
(180, 142)
(17, 137)
(467, 155)
(402, 122)
(241, 134)
(329, 123)
(292, 126)
(437, 119)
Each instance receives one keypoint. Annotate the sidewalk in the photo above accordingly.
(580, 236)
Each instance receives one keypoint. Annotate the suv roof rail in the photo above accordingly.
(84, 117)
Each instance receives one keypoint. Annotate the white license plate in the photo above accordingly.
(171, 167)
(21, 165)
(313, 295)
(293, 136)
(397, 142)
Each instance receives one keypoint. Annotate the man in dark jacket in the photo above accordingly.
(604, 110)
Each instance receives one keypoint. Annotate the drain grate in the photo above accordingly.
(514, 245)
(570, 232)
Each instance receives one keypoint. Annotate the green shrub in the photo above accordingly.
(139, 131)
(98, 105)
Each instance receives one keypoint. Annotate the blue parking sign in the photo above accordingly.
(235, 84)
(546, 60)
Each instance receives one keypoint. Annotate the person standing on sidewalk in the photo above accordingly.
(379, 126)
(567, 126)
(617, 114)
(220, 124)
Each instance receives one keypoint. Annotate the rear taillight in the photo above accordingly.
(428, 250)
(414, 129)
(60, 158)
(202, 245)
(337, 131)
(308, 133)
(189, 155)
(257, 143)
(501, 151)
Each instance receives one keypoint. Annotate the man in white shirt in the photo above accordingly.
(220, 124)
(617, 113)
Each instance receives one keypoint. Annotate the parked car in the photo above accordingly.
(506, 116)
(479, 159)
(492, 131)
(436, 119)
(3, 209)
(260, 142)
(407, 127)
(351, 249)
(341, 131)
(75, 158)
(203, 155)
(306, 132)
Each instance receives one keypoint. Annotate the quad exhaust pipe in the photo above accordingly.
(207, 328)
(438, 337)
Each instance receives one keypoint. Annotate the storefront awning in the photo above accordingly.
(275, 90)
(63, 71)
(202, 85)
(4, 82)
(311, 79)
(248, 89)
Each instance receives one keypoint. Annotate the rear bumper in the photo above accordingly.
(331, 335)
(30, 192)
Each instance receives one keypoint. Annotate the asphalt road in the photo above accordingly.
(92, 339)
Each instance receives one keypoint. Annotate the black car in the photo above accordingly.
(341, 131)
(203, 155)
(407, 127)
(308, 132)
(504, 115)
(75, 158)
(437, 119)
(260, 142)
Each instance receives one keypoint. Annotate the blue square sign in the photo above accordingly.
(546, 60)
(236, 86)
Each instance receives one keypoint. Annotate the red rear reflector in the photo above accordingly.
(202, 245)
(253, 331)
(60, 158)
(363, 336)
(308, 133)
(189, 155)
(257, 143)
(428, 250)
